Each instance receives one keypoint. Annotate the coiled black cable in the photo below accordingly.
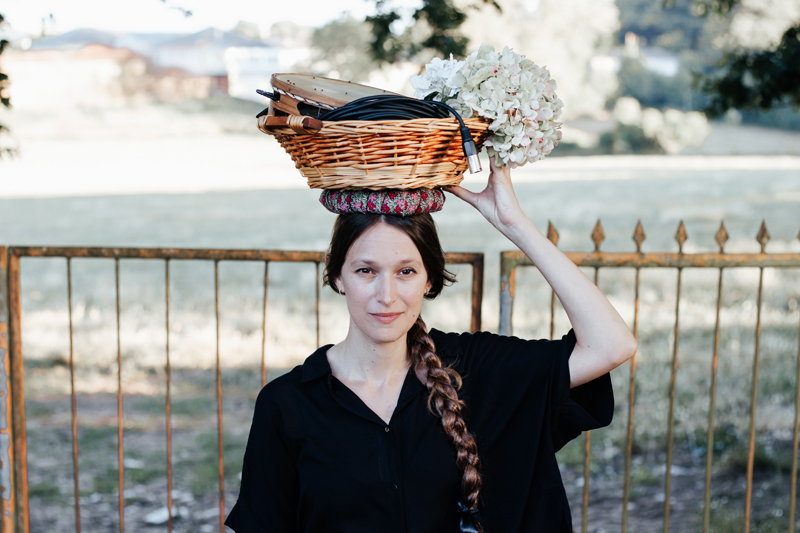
(389, 107)
(398, 107)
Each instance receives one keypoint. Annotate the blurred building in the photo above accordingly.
(655, 59)
(92, 68)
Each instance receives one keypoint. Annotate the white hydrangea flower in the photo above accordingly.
(441, 77)
(514, 93)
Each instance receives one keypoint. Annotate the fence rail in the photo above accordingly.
(510, 261)
(13, 440)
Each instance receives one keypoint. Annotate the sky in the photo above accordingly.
(156, 16)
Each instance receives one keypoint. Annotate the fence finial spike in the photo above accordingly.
(598, 235)
(639, 236)
(552, 233)
(721, 237)
(681, 236)
(763, 236)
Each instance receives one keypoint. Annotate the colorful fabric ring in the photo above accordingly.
(384, 202)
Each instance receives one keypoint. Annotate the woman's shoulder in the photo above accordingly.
(484, 351)
(282, 388)
(297, 383)
(453, 343)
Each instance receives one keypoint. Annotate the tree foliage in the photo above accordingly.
(342, 46)
(756, 79)
(741, 79)
(438, 21)
(751, 79)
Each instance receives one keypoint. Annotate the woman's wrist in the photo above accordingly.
(519, 230)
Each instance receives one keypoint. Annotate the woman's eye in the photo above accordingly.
(407, 271)
(364, 270)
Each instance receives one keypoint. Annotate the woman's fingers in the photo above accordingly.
(502, 173)
(468, 196)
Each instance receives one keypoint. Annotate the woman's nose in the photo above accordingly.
(387, 290)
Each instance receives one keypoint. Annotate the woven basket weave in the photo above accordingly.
(382, 154)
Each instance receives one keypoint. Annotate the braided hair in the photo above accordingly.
(443, 383)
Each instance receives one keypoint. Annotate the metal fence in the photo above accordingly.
(679, 261)
(13, 441)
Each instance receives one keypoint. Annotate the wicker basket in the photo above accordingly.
(384, 154)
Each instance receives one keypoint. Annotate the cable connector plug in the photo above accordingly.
(272, 96)
(471, 151)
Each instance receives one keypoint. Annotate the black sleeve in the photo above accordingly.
(506, 374)
(585, 407)
(269, 492)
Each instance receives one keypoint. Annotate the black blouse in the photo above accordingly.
(319, 460)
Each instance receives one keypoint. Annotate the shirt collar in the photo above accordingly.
(316, 365)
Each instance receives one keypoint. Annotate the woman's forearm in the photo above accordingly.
(603, 339)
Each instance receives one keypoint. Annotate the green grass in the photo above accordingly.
(204, 466)
(732, 521)
(195, 405)
(764, 459)
(641, 475)
(572, 453)
(46, 491)
(146, 474)
(34, 409)
(106, 482)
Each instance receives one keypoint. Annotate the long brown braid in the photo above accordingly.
(442, 382)
(443, 385)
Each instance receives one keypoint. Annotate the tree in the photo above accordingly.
(436, 28)
(756, 79)
(746, 79)
(751, 79)
(340, 48)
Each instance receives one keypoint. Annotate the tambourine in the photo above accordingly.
(303, 94)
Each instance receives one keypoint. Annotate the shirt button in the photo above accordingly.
(386, 429)
(394, 486)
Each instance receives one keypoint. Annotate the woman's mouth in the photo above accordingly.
(385, 318)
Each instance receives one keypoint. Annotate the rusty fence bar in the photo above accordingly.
(19, 443)
(168, 403)
(510, 261)
(7, 496)
(13, 454)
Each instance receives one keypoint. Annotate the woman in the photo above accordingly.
(398, 429)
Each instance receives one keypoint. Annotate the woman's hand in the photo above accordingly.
(497, 202)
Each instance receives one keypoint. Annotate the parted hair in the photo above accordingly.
(443, 383)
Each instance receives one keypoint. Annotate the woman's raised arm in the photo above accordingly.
(603, 339)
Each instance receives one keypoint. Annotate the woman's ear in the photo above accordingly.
(428, 287)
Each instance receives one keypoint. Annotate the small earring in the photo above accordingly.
(341, 291)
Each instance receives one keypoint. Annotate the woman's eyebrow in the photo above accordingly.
(372, 263)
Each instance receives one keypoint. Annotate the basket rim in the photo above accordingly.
(400, 122)
(450, 126)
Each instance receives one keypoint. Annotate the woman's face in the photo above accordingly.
(384, 281)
